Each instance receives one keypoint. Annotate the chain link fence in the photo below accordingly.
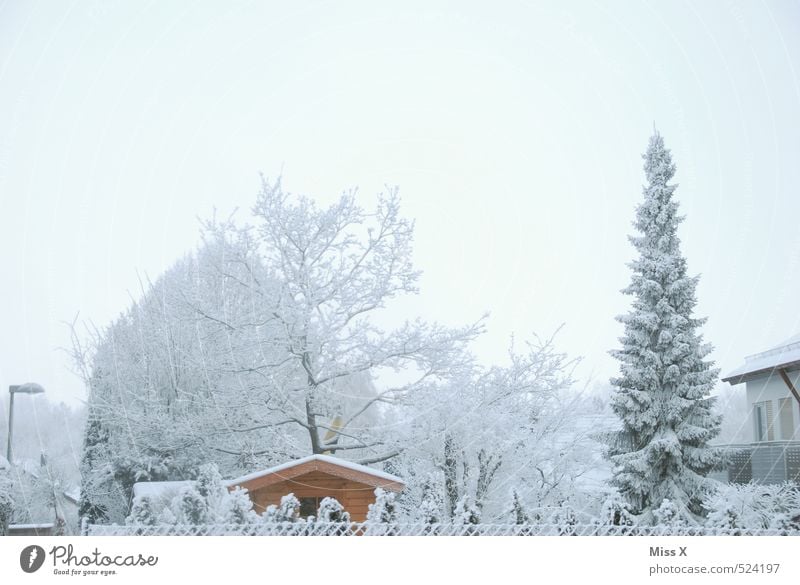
(375, 529)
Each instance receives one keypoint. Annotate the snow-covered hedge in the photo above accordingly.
(208, 502)
(753, 506)
(6, 497)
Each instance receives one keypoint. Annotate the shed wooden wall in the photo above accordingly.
(354, 496)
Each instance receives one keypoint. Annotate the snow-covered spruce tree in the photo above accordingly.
(431, 503)
(662, 395)
(94, 470)
(190, 507)
(210, 487)
(142, 512)
(382, 514)
(517, 511)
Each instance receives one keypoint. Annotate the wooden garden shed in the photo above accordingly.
(316, 477)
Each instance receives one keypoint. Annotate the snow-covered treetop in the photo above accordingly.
(658, 166)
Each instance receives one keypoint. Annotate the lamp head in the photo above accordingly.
(29, 388)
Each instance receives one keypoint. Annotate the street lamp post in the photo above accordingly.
(29, 388)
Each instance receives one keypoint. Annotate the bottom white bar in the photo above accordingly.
(387, 560)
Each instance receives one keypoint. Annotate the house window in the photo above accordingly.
(786, 418)
(762, 412)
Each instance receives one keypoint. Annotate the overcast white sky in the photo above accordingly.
(514, 131)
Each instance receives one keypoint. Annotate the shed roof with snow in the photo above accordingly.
(784, 356)
(322, 463)
(158, 489)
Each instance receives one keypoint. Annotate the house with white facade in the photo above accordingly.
(771, 380)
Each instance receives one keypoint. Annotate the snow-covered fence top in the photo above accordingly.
(367, 529)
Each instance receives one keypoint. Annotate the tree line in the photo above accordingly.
(265, 345)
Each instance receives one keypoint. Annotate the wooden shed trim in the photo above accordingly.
(346, 470)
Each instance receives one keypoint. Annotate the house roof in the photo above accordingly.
(785, 355)
(324, 463)
(72, 494)
(158, 489)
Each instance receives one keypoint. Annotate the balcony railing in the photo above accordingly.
(764, 462)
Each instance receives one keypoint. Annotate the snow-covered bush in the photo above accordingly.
(431, 504)
(565, 518)
(37, 497)
(754, 506)
(616, 511)
(6, 497)
(330, 510)
(166, 517)
(237, 508)
(142, 512)
(382, 514)
(287, 511)
(669, 514)
(384, 510)
(466, 512)
(205, 501)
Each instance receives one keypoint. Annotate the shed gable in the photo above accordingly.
(314, 478)
(328, 466)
